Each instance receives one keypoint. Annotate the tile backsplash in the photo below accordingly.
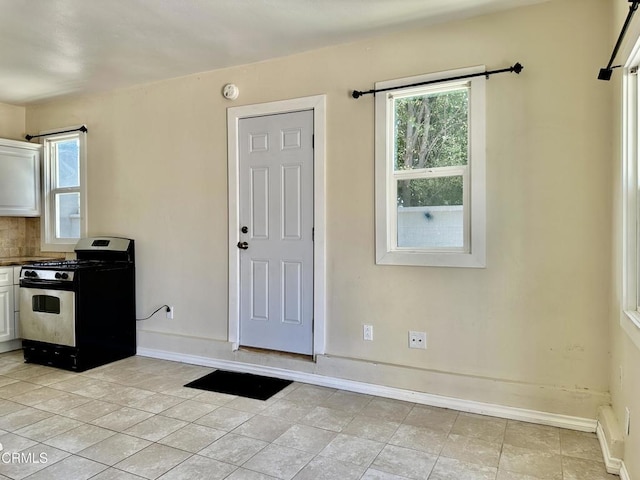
(19, 237)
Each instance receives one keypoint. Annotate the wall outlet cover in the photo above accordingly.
(418, 340)
(367, 332)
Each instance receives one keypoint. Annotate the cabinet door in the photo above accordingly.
(19, 179)
(6, 276)
(7, 331)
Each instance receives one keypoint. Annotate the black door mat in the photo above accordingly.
(241, 384)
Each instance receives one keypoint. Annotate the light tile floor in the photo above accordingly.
(133, 420)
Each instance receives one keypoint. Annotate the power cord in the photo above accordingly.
(168, 309)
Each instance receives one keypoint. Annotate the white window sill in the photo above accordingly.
(630, 323)
(424, 259)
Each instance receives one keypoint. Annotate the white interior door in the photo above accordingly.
(276, 231)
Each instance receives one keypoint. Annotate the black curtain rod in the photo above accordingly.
(605, 73)
(517, 68)
(81, 129)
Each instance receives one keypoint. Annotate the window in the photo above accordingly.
(430, 172)
(64, 212)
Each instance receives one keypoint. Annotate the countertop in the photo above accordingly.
(11, 261)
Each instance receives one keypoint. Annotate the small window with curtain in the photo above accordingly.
(64, 220)
(430, 199)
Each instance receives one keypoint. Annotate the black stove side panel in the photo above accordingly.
(105, 316)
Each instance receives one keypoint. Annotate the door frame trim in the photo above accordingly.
(317, 103)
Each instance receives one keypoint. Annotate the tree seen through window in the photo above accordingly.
(431, 131)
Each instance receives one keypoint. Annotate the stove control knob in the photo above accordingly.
(30, 273)
(62, 276)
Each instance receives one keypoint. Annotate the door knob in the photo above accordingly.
(243, 245)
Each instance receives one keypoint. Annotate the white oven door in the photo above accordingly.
(48, 316)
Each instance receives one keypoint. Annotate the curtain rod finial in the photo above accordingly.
(517, 68)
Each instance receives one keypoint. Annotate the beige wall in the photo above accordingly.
(534, 317)
(12, 121)
(627, 394)
(625, 354)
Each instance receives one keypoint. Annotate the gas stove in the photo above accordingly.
(78, 314)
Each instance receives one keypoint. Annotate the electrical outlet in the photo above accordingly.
(367, 332)
(627, 420)
(418, 340)
(170, 312)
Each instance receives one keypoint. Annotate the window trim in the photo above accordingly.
(474, 253)
(49, 242)
(630, 182)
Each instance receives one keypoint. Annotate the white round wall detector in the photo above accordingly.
(230, 91)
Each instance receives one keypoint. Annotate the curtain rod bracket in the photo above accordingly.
(605, 73)
(516, 68)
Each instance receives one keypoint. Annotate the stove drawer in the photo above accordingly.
(54, 355)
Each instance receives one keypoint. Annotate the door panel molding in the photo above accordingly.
(259, 223)
(259, 285)
(316, 103)
(291, 308)
(291, 214)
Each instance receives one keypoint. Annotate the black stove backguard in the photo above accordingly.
(105, 311)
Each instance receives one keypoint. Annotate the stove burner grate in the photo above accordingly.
(67, 263)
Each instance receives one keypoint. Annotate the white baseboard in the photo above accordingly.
(624, 474)
(10, 346)
(612, 464)
(502, 411)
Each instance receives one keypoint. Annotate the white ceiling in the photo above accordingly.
(52, 48)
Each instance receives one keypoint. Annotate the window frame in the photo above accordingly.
(473, 253)
(630, 182)
(50, 242)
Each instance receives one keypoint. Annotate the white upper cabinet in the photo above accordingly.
(19, 179)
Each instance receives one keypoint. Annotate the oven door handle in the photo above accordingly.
(47, 284)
